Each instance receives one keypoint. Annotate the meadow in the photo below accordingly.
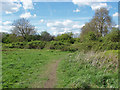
(25, 68)
(22, 67)
(42, 60)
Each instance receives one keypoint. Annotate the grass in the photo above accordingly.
(77, 71)
(22, 67)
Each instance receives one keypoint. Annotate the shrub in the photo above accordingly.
(113, 36)
(36, 44)
(54, 45)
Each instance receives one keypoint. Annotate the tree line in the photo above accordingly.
(98, 29)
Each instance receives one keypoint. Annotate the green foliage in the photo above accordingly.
(5, 38)
(90, 36)
(45, 36)
(113, 36)
(65, 42)
(55, 45)
(10, 38)
(100, 23)
(33, 38)
(36, 44)
(29, 45)
(67, 37)
(15, 45)
(22, 27)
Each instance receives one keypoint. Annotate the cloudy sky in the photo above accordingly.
(55, 16)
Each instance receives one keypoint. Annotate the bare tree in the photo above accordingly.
(22, 27)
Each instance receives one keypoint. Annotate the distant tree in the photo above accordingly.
(5, 37)
(9, 38)
(100, 23)
(89, 27)
(33, 37)
(22, 27)
(66, 37)
(45, 36)
(114, 35)
(102, 20)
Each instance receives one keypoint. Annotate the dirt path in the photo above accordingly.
(47, 78)
(50, 83)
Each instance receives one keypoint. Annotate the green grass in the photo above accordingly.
(113, 52)
(22, 67)
(77, 71)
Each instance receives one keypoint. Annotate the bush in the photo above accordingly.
(54, 45)
(15, 45)
(36, 44)
(113, 36)
(67, 37)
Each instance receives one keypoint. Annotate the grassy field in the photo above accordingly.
(90, 70)
(22, 67)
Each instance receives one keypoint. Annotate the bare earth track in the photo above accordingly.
(50, 83)
(47, 78)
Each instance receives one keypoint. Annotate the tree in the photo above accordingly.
(45, 36)
(5, 37)
(102, 20)
(66, 37)
(9, 38)
(114, 35)
(22, 27)
(100, 23)
(89, 27)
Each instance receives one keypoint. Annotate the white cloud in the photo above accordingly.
(8, 12)
(94, 4)
(7, 22)
(60, 27)
(27, 15)
(9, 6)
(76, 1)
(60, 24)
(27, 4)
(116, 26)
(77, 10)
(34, 15)
(6, 28)
(115, 14)
(77, 26)
(41, 21)
(67, 22)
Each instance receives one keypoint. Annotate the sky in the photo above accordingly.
(55, 17)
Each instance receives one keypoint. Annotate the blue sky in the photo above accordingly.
(54, 17)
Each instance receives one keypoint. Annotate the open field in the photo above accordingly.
(22, 67)
(33, 68)
(73, 44)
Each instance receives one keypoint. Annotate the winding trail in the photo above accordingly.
(50, 83)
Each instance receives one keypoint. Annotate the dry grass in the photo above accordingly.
(107, 60)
